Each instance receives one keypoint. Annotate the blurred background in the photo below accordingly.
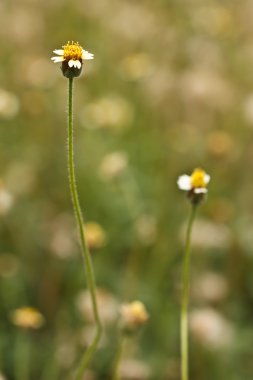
(170, 89)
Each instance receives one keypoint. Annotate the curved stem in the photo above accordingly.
(185, 296)
(85, 251)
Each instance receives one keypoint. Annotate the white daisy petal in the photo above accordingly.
(87, 55)
(200, 190)
(207, 178)
(75, 63)
(78, 64)
(184, 182)
(59, 51)
(71, 63)
(57, 59)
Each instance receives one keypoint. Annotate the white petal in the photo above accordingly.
(200, 190)
(75, 63)
(59, 51)
(87, 55)
(184, 182)
(207, 178)
(71, 63)
(78, 64)
(57, 59)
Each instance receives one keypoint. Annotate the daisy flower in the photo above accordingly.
(71, 55)
(195, 184)
(133, 316)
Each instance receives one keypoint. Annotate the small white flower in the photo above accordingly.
(196, 182)
(73, 54)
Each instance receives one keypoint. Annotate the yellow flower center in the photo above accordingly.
(72, 51)
(198, 178)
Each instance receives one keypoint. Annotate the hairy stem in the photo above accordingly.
(185, 297)
(85, 251)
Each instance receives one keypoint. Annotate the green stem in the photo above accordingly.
(185, 297)
(85, 251)
(119, 354)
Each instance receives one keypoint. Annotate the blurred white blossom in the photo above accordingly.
(132, 369)
(9, 104)
(132, 21)
(207, 234)
(38, 72)
(61, 232)
(6, 200)
(210, 328)
(107, 306)
(113, 165)
(111, 112)
(210, 287)
(26, 24)
(248, 109)
(199, 86)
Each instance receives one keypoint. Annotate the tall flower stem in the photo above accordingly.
(85, 251)
(118, 358)
(185, 297)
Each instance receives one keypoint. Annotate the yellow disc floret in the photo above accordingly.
(198, 178)
(72, 51)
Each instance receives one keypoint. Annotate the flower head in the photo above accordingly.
(71, 55)
(195, 184)
(95, 235)
(133, 316)
(27, 317)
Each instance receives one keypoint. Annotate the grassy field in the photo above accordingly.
(170, 89)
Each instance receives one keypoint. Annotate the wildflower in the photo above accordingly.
(133, 315)
(113, 165)
(95, 235)
(210, 287)
(71, 55)
(211, 328)
(107, 305)
(132, 369)
(27, 317)
(109, 112)
(195, 184)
